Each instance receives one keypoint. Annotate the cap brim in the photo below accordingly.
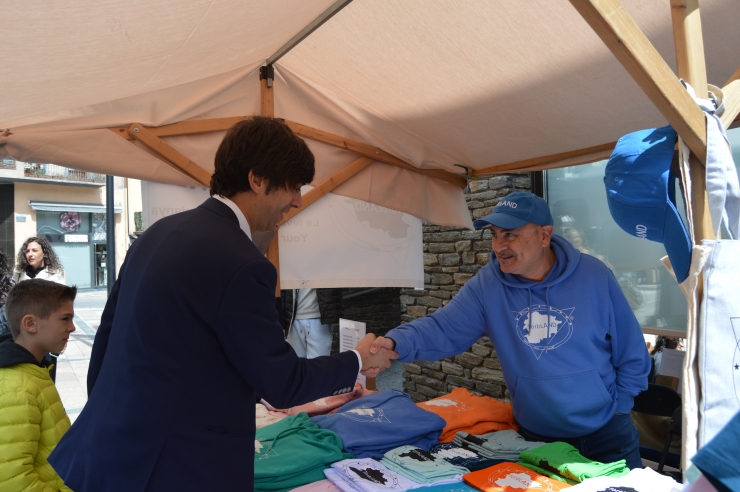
(501, 220)
(677, 243)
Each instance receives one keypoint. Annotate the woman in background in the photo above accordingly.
(36, 259)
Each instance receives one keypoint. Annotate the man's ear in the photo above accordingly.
(546, 232)
(258, 183)
(29, 324)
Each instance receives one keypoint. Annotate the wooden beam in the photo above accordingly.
(192, 127)
(223, 124)
(170, 155)
(328, 185)
(540, 163)
(638, 56)
(732, 99)
(372, 152)
(267, 99)
(689, 44)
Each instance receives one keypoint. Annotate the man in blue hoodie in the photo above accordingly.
(571, 350)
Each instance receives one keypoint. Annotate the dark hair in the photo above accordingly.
(268, 148)
(6, 278)
(662, 342)
(51, 261)
(38, 297)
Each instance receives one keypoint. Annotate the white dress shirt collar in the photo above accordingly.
(243, 224)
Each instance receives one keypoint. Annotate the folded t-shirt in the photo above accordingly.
(563, 459)
(510, 477)
(366, 475)
(422, 466)
(464, 411)
(462, 455)
(320, 486)
(293, 452)
(637, 480)
(323, 405)
(374, 424)
(502, 445)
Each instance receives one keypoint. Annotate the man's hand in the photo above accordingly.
(374, 362)
(382, 342)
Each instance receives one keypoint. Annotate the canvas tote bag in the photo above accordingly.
(718, 333)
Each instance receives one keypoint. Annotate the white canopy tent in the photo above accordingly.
(419, 89)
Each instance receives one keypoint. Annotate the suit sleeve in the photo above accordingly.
(631, 360)
(250, 332)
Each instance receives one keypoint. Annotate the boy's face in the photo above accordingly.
(53, 332)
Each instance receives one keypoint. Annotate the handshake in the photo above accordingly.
(376, 354)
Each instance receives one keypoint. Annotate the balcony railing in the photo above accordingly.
(52, 171)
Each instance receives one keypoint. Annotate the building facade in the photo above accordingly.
(68, 208)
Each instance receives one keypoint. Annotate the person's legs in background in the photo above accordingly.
(318, 338)
(297, 337)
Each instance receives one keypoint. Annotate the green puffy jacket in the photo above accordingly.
(32, 420)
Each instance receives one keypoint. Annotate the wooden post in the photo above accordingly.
(687, 37)
(643, 62)
(267, 76)
(732, 99)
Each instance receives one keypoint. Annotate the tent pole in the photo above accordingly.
(306, 31)
(643, 62)
(267, 75)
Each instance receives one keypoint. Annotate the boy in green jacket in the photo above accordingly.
(32, 417)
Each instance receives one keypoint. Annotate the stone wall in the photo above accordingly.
(451, 257)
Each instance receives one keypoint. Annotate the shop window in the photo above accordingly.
(577, 199)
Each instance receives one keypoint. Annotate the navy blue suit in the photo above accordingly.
(189, 335)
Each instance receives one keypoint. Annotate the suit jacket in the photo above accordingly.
(188, 336)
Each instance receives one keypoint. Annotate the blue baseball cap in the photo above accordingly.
(640, 192)
(517, 209)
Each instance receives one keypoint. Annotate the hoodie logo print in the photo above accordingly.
(542, 330)
(364, 414)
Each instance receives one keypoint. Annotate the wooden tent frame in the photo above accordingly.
(618, 32)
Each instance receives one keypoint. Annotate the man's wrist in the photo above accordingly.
(394, 343)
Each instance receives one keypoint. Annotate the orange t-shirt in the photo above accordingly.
(510, 477)
(466, 412)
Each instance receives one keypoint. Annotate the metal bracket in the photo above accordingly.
(468, 171)
(267, 72)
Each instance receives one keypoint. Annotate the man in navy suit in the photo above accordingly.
(190, 335)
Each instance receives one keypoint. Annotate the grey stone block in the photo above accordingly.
(452, 368)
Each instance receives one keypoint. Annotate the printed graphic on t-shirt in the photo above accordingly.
(516, 480)
(446, 403)
(364, 414)
(618, 489)
(544, 328)
(418, 455)
(263, 450)
(364, 471)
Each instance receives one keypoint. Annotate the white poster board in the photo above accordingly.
(671, 364)
(336, 242)
(350, 334)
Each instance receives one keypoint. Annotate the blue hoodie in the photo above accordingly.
(579, 358)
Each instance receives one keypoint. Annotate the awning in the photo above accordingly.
(92, 208)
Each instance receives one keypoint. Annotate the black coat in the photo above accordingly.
(188, 336)
(330, 306)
